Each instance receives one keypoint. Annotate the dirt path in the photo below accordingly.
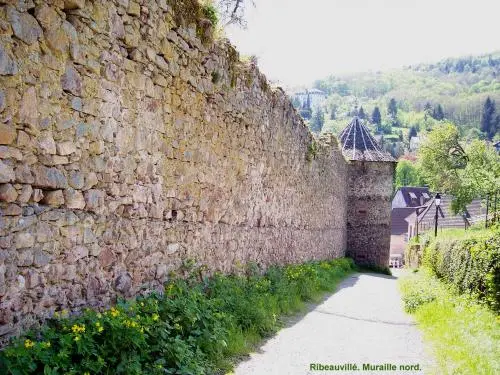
(362, 323)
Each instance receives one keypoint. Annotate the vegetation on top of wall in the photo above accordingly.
(187, 12)
(312, 150)
(462, 333)
(199, 326)
(468, 260)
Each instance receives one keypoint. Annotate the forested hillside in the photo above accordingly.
(413, 98)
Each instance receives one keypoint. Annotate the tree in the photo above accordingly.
(412, 132)
(361, 113)
(376, 117)
(436, 164)
(233, 11)
(392, 108)
(428, 107)
(333, 113)
(488, 119)
(481, 176)
(318, 120)
(306, 110)
(407, 174)
(438, 113)
(465, 174)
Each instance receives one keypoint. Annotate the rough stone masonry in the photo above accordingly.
(131, 142)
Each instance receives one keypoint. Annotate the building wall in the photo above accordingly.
(128, 146)
(398, 243)
(369, 212)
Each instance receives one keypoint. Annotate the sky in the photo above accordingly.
(299, 41)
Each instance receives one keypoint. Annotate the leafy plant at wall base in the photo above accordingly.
(198, 326)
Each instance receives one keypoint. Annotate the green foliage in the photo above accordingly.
(195, 327)
(210, 12)
(215, 77)
(465, 174)
(312, 151)
(412, 133)
(463, 334)
(471, 263)
(188, 12)
(490, 121)
(392, 108)
(419, 292)
(376, 116)
(407, 174)
(438, 113)
(318, 120)
(421, 88)
(436, 164)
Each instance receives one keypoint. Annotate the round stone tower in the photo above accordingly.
(370, 176)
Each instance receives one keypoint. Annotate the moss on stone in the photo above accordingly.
(187, 12)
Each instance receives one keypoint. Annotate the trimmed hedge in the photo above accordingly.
(198, 326)
(470, 262)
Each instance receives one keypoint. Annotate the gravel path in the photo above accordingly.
(362, 323)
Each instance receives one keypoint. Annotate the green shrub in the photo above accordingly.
(195, 327)
(470, 262)
(210, 12)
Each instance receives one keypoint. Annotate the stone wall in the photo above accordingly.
(130, 142)
(369, 212)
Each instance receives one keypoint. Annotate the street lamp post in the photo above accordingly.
(437, 202)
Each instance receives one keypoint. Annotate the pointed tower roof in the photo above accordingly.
(358, 144)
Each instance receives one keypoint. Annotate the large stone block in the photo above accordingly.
(8, 66)
(51, 178)
(71, 81)
(7, 134)
(6, 173)
(24, 25)
(8, 193)
(53, 198)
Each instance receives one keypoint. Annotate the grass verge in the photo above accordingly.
(464, 334)
(198, 326)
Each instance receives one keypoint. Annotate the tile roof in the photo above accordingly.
(407, 193)
(358, 144)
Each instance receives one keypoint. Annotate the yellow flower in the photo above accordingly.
(28, 343)
(78, 328)
(114, 312)
(155, 317)
(100, 328)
